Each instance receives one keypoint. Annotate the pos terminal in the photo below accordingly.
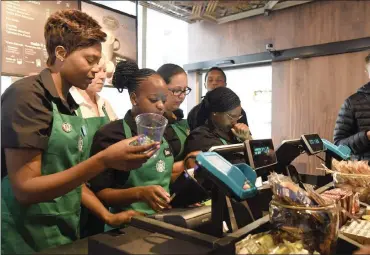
(311, 144)
(214, 174)
(152, 236)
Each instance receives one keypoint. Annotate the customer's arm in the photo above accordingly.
(346, 132)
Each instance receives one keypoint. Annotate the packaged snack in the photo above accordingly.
(287, 191)
(316, 226)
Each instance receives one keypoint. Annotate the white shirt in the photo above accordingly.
(87, 109)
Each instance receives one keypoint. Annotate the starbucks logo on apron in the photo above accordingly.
(161, 166)
(66, 127)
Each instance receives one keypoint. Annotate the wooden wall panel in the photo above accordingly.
(307, 95)
(308, 24)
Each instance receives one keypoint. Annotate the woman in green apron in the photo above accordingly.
(178, 129)
(145, 189)
(44, 139)
(96, 112)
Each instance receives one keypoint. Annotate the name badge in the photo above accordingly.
(83, 130)
(167, 152)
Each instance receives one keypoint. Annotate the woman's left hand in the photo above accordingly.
(241, 131)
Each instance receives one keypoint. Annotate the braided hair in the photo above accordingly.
(128, 76)
(221, 99)
(167, 71)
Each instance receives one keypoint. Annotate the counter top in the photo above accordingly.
(78, 247)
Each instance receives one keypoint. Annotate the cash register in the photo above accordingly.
(312, 145)
(151, 236)
(155, 235)
(260, 156)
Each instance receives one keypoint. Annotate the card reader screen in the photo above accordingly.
(263, 153)
(219, 163)
(314, 143)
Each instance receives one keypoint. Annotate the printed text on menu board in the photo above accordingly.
(23, 43)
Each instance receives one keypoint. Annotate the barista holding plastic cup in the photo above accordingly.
(44, 140)
(145, 189)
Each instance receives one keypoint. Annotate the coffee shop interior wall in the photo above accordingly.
(306, 93)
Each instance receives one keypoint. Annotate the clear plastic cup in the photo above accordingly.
(152, 127)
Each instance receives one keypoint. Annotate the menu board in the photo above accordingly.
(22, 26)
(121, 30)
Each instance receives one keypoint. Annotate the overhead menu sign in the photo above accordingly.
(22, 26)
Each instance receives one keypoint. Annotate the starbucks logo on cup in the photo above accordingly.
(161, 166)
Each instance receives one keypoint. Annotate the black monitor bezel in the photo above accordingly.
(251, 144)
(309, 147)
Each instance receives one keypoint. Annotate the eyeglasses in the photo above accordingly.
(234, 117)
(178, 93)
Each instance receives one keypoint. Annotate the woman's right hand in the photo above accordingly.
(125, 157)
(117, 219)
(155, 196)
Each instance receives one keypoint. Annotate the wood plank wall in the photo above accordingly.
(308, 24)
(308, 93)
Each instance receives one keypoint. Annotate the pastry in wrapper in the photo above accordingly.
(345, 199)
(354, 175)
(287, 191)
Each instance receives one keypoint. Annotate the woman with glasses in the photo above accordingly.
(178, 129)
(221, 107)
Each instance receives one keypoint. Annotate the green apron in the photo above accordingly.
(223, 141)
(182, 130)
(156, 171)
(28, 229)
(92, 125)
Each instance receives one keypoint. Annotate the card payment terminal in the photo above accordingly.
(231, 177)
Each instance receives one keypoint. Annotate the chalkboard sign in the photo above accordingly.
(23, 43)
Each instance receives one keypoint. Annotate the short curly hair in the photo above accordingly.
(71, 29)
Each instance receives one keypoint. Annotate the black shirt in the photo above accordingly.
(27, 113)
(207, 136)
(107, 135)
(170, 134)
(194, 120)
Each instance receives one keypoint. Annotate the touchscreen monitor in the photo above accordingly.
(261, 153)
(313, 143)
